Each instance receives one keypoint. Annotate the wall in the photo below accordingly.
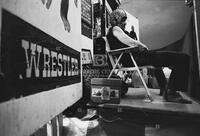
(131, 20)
(87, 43)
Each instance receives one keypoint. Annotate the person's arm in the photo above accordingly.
(120, 35)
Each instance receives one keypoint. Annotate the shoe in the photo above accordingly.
(176, 98)
(173, 93)
(169, 92)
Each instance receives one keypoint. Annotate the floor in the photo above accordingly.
(113, 125)
(136, 99)
(189, 130)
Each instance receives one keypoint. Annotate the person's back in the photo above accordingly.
(114, 43)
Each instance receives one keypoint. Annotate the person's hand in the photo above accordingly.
(142, 48)
(138, 48)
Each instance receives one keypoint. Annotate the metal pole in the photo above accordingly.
(141, 77)
(197, 35)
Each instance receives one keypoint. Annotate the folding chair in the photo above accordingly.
(114, 64)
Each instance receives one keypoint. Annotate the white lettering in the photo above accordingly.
(72, 64)
(37, 71)
(65, 64)
(69, 66)
(32, 60)
(60, 67)
(76, 67)
(53, 64)
(46, 70)
(25, 45)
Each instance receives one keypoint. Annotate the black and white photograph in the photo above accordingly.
(99, 67)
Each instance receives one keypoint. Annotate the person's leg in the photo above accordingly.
(141, 59)
(179, 63)
(179, 76)
(178, 80)
(161, 79)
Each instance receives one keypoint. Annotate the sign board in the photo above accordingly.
(100, 60)
(86, 56)
(86, 17)
(33, 61)
(39, 62)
